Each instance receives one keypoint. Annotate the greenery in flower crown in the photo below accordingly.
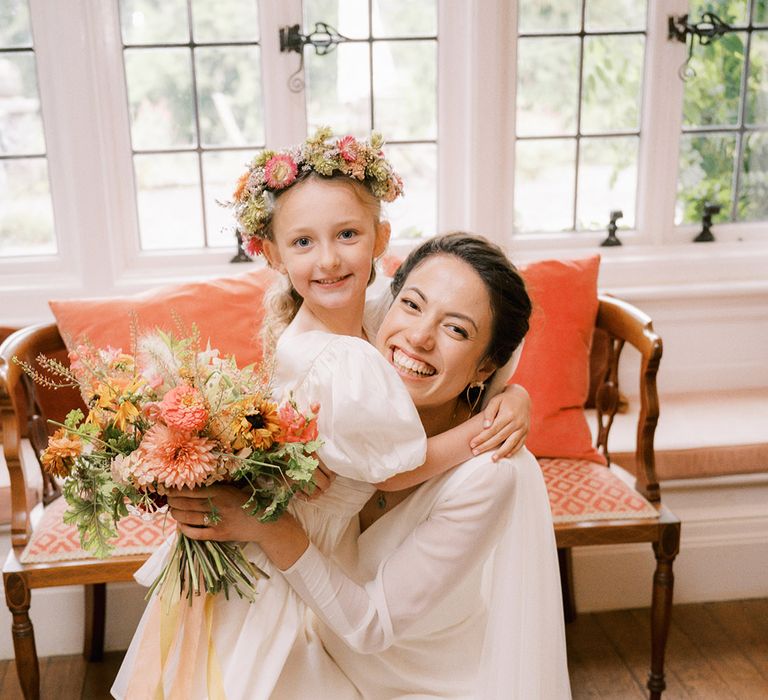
(273, 171)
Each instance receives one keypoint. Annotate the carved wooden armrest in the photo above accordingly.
(625, 323)
(21, 416)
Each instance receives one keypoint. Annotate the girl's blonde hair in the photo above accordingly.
(282, 302)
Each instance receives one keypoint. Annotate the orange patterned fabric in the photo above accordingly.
(582, 490)
(53, 540)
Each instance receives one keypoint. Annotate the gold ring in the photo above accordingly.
(206, 519)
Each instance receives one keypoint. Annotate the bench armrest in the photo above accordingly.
(625, 323)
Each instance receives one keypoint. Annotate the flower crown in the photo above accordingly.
(273, 171)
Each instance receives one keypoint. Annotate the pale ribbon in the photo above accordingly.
(175, 622)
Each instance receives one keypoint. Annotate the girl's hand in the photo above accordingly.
(214, 513)
(507, 420)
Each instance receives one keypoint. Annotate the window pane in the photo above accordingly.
(397, 18)
(26, 216)
(712, 97)
(405, 89)
(220, 172)
(21, 126)
(225, 20)
(168, 194)
(160, 96)
(753, 194)
(549, 16)
(338, 89)
(613, 71)
(154, 21)
(14, 24)
(607, 181)
(731, 11)
(706, 175)
(544, 184)
(547, 86)
(229, 91)
(348, 17)
(415, 214)
(605, 15)
(760, 12)
(757, 85)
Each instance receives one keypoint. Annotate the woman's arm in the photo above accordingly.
(455, 536)
(504, 423)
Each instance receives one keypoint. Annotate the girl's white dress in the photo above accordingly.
(370, 431)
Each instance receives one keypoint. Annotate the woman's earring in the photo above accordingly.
(480, 387)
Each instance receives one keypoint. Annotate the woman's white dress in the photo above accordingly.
(454, 593)
(370, 431)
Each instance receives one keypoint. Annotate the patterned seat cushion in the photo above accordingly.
(580, 490)
(53, 540)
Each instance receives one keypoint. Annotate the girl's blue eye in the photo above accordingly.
(301, 242)
(347, 235)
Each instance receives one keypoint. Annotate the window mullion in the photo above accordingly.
(661, 126)
(285, 114)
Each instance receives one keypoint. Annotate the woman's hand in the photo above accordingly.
(216, 513)
(507, 420)
(322, 478)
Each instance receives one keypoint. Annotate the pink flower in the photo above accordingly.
(347, 148)
(183, 408)
(280, 171)
(176, 460)
(295, 426)
(253, 246)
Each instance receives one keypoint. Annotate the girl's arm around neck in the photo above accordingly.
(444, 451)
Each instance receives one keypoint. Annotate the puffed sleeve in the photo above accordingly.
(367, 421)
(455, 537)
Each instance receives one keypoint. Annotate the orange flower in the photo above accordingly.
(241, 183)
(295, 426)
(62, 449)
(183, 408)
(175, 460)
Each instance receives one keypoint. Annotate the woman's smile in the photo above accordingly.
(409, 365)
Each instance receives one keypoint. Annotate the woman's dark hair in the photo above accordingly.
(510, 303)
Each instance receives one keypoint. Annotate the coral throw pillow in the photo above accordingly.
(227, 311)
(554, 367)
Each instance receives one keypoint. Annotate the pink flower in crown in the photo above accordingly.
(347, 148)
(175, 460)
(280, 171)
(183, 408)
(253, 246)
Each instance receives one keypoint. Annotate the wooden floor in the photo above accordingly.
(715, 650)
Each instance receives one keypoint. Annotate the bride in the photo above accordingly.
(445, 590)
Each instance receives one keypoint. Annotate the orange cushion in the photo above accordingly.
(53, 540)
(580, 490)
(228, 312)
(554, 366)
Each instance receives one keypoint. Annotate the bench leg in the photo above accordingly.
(18, 596)
(95, 615)
(666, 550)
(566, 583)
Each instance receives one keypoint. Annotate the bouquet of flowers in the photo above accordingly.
(172, 415)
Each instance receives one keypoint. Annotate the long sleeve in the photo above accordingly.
(450, 542)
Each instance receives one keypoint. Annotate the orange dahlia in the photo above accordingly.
(176, 460)
(62, 449)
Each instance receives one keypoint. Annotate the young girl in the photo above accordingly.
(314, 210)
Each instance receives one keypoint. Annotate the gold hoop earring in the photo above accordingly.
(480, 386)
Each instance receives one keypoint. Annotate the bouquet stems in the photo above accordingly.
(203, 566)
